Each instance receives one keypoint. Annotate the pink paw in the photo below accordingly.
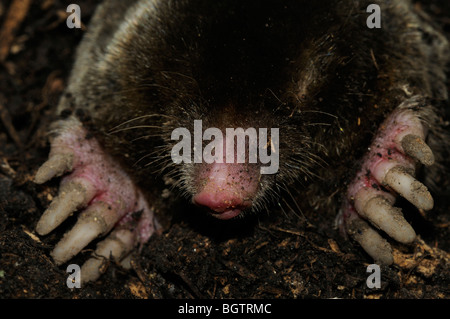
(387, 171)
(106, 194)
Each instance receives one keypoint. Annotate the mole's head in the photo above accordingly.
(221, 69)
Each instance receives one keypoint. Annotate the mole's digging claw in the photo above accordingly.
(117, 245)
(96, 220)
(408, 187)
(55, 166)
(379, 211)
(375, 245)
(416, 147)
(409, 134)
(72, 195)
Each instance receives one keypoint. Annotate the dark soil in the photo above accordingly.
(281, 255)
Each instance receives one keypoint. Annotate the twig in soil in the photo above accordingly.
(53, 85)
(16, 14)
(188, 283)
(296, 233)
(6, 169)
(7, 122)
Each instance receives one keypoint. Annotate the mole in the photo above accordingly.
(347, 110)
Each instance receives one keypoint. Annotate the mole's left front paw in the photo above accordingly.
(387, 171)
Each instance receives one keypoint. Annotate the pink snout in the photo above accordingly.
(227, 189)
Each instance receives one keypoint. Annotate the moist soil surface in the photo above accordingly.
(289, 253)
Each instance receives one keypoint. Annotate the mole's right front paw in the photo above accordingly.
(106, 194)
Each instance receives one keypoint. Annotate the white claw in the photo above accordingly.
(408, 187)
(55, 166)
(72, 196)
(97, 220)
(379, 211)
(117, 245)
(369, 239)
(410, 137)
(414, 146)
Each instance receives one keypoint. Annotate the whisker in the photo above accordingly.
(320, 112)
(145, 137)
(146, 86)
(133, 128)
(143, 117)
(180, 74)
(296, 204)
(317, 124)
